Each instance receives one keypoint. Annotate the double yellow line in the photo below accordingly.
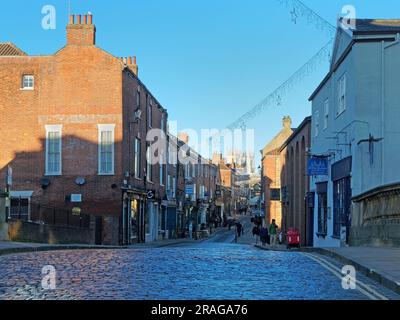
(360, 286)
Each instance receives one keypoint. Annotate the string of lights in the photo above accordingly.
(275, 98)
(298, 9)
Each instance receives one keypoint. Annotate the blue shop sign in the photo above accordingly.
(317, 166)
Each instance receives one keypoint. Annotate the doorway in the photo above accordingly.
(99, 231)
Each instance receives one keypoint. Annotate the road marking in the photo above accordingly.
(361, 286)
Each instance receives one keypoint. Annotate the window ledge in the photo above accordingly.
(27, 89)
(53, 174)
(106, 174)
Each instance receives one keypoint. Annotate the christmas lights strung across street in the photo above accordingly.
(275, 98)
(298, 9)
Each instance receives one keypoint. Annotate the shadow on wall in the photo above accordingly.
(100, 194)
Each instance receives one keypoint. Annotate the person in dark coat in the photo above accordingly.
(239, 229)
(264, 236)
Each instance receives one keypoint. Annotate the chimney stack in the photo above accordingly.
(81, 32)
(287, 122)
(131, 63)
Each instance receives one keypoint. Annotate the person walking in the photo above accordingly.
(264, 236)
(239, 229)
(273, 231)
(191, 231)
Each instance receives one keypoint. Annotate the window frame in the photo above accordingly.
(137, 157)
(322, 213)
(23, 87)
(316, 127)
(138, 98)
(149, 165)
(53, 129)
(342, 95)
(149, 113)
(106, 128)
(326, 114)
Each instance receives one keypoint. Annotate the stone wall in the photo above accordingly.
(376, 217)
(22, 231)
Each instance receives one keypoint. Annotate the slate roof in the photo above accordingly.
(9, 49)
(364, 26)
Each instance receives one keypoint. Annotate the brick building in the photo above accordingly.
(76, 124)
(271, 166)
(296, 184)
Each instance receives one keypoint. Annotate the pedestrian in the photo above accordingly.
(273, 231)
(264, 236)
(256, 233)
(280, 237)
(239, 229)
(191, 231)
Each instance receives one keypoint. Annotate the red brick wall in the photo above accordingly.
(139, 128)
(272, 166)
(294, 177)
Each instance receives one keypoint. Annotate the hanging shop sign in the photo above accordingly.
(317, 166)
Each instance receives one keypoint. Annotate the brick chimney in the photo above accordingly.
(81, 31)
(287, 122)
(131, 63)
(184, 137)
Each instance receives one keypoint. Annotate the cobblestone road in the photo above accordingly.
(205, 271)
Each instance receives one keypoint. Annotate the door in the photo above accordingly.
(99, 231)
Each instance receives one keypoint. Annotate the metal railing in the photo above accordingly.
(24, 210)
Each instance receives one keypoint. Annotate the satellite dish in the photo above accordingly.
(44, 183)
(80, 181)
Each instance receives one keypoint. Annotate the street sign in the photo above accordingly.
(76, 198)
(317, 166)
(189, 189)
(150, 194)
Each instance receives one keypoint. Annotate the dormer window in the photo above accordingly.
(28, 82)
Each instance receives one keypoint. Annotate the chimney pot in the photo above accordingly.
(90, 19)
(85, 19)
(78, 19)
(130, 60)
(71, 19)
(134, 60)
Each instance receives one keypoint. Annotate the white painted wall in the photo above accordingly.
(373, 107)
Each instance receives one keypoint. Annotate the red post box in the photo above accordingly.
(293, 238)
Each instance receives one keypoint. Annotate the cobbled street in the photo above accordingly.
(213, 269)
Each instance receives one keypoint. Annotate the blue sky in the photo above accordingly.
(206, 61)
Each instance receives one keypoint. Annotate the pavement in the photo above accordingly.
(20, 247)
(379, 264)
